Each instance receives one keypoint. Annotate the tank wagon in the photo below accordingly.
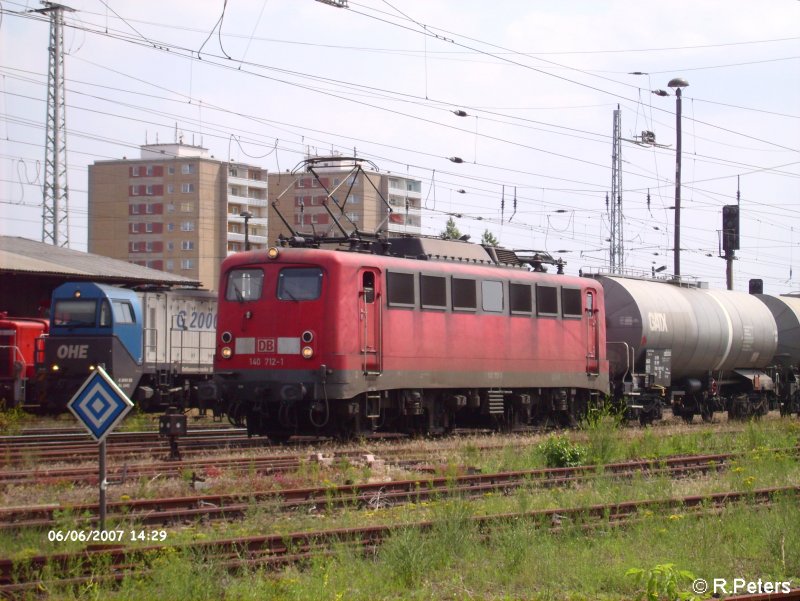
(786, 371)
(696, 349)
(157, 345)
(404, 335)
(19, 339)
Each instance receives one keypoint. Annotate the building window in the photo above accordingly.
(134, 209)
(187, 226)
(187, 245)
(135, 171)
(170, 264)
(187, 263)
(187, 207)
(149, 170)
(170, 188)
(148, 247)
(170, 246)
(148, 208)
(170, 227)
(170, 207)
(134, 190)
(187, 168)
(134, 228)
(171, 169)
(148, 227)
(187, 188)
(134, 247)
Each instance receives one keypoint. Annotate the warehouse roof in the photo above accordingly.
(24, 256)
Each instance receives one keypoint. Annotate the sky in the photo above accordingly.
(268, 82)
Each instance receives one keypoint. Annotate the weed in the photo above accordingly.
(560, 451)
(663, 581)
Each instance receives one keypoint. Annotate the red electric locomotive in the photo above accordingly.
(404, 335)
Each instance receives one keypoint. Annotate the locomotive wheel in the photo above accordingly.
(688, 417)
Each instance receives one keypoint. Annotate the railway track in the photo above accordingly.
(178, 510)
(273, 551)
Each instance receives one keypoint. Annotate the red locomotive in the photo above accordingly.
(404, 335)
(18, 347)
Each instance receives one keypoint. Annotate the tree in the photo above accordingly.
(451, 231)
(488, 239)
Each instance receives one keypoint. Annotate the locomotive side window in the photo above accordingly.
(433, 292)
(80, 313)
(520, 299)
(300, 283)
(401, 289)
(546, 300)
(123, 312)
(105, 314)
(465, 297)
(244, 285)
(492, 292)
(571, 305)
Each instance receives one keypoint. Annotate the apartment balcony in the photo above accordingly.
(245, 182)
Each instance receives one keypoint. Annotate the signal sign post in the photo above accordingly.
(100, 405)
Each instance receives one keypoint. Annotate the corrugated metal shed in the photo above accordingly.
(31, 270)
(20, 256)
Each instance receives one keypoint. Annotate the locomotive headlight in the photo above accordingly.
(226, 352)
(308, 336)
(92, 368)
(55, 367)
(273, 253)
(308, 352)
(226, 337)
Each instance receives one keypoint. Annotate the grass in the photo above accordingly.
(516, 559)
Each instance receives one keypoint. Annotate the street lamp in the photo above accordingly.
(678, 83)
(247, 215)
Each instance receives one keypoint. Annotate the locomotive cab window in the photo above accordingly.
(433, 292)
(571, 305)
(75, 313)
(244, 285)
(492, 293)
(465, 297)
(401, 292)
(520, 299)
(300, 283)
(123, 312)
(547, 301)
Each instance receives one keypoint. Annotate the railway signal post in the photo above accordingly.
(100, 405)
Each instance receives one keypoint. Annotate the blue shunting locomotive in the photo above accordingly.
(157, 345)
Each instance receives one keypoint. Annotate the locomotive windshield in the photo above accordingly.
(300, 283)
(80, 313)
(244, 285)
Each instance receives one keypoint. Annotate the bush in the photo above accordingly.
(560, 451)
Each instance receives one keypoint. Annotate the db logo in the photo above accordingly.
(265, 345)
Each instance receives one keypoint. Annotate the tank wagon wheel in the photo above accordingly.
(707, 413)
